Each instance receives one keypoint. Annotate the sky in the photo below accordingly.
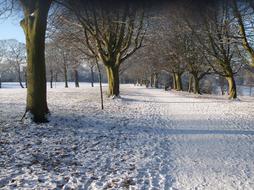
(10, 29)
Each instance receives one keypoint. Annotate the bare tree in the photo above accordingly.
(91, 63)
(215, 35)
(197, 65)
(53, 61)
(16, 56)
(34, 25)
(75, 64)
(113, 34)
(64, 63)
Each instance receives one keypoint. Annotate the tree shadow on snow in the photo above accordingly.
(110, 142)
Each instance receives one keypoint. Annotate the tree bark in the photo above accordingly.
(232, 92)
(178, 81)
(65, 76)
(34, 25)
(76, 77)
(113, 80)
(92, 76)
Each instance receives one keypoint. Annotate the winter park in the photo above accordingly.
(126, 95)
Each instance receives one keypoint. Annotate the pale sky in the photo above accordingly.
(10, 29)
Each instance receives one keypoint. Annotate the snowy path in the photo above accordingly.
(149, 139)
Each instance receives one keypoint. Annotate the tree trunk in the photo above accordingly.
(113, 80)
(156, 80)
(92, 76)
(178, 81)
(174, 81)
(190, 83)
(196, 88)
(25, 78)
(65, 76)
(147, 83)
(151, 80)
(222, 84)
(19, 78)
(100, 81)
(231, 87)
(34, 25)
(56, 79)
(51, 78)
(76, 77)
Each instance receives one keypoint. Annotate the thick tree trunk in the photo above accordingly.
(92, 76)
(178, 81)
(222, 84)
(34, 25)
(51, 78)
(65, 77)
(113, 80)
(76, 78)
(174, 81)
(196, 88)
(231, 87)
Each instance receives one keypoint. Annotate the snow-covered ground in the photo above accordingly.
(149, 139)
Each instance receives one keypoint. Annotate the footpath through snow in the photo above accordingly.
(148, 139)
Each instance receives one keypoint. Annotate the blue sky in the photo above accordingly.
(10, 29)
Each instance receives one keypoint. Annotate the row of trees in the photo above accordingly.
(215, 39)
(211, 38)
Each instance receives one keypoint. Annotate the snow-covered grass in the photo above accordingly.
(147, 139)
(15, 85)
